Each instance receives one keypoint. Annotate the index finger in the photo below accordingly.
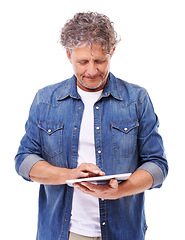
(90, 167)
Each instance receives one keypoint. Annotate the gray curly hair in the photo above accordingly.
(89, 28)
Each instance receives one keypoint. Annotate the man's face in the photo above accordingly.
(91, 66)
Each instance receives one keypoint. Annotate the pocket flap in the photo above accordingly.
(125, 127)
(50, 128)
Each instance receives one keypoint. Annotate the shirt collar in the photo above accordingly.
(111, 88)
(69, 90)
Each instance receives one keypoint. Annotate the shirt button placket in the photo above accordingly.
(75, 135)
(98, 144)
(97, 123)
(98, 128)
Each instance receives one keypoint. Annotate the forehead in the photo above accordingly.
(94, 51)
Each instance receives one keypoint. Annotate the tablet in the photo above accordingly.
(99, 179)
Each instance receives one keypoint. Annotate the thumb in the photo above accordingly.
(113, 183)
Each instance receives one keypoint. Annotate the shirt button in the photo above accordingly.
(65, 219)
(99, 151)
(74, 151)
(79, 108)
(103, 223)
(97, 128)
(75, 128)
(49, 130)
(97, 108)
(125, 129)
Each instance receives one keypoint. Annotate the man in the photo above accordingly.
(92, 124)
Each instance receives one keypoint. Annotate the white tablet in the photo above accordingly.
(100, 179)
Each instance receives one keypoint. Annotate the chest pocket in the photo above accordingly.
(124, 137)
(51, 137)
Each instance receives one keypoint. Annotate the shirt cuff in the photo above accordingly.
(27, 165)
(155, 171)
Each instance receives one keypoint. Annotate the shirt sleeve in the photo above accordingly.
(29, 152)
(152, 156)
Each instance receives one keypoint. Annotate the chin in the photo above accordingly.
(94, 86)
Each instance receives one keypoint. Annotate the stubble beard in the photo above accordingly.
(101, 83)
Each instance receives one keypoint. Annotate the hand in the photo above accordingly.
(107, 191)
(85, 170)
(138, 182)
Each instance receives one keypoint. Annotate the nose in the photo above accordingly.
(92, 69)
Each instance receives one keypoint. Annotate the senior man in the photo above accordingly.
(92, 124)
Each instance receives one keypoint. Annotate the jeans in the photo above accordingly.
(74, 236)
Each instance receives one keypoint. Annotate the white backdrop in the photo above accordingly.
(151, 54)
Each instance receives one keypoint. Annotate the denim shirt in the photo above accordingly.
(126, 139)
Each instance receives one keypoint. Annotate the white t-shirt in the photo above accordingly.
(85, 218)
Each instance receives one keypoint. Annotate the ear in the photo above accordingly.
(112, 52)
(68, 52)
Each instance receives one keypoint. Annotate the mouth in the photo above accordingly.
(92, 77)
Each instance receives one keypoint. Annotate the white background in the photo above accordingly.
(151, 54)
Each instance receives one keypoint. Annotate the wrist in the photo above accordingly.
(65, 174)
(120, 193)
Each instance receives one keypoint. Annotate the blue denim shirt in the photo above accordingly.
(127, 139)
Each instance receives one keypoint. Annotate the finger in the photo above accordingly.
(89, 186)
(113, 183)
(81, 187)
(84, 174)
(89, 167)
(95, 187)
(95, 169)
(99, 172)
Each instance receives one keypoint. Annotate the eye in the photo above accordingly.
(100, 61)
(84, 62)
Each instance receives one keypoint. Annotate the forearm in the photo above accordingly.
(138, 182)
(44, 173)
